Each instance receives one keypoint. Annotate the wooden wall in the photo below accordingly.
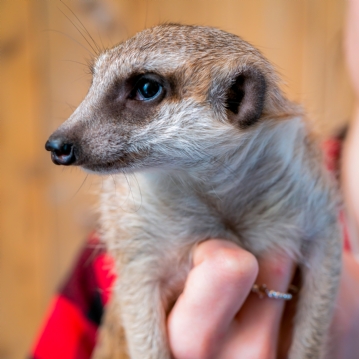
(45, 211)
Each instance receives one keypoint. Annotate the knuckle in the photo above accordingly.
(263, 350)
(199, 349)
(236, 263)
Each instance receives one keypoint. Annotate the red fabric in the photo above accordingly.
(69, 330)
(105, 275)
(67, 334)
(346, 239)
(332, 149)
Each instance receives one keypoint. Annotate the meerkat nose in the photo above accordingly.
(62, 153)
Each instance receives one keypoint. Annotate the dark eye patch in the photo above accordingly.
(136, 97)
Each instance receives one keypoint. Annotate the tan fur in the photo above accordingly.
(219, 153)
(111, 342)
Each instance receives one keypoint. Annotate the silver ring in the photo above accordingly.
(262, 291)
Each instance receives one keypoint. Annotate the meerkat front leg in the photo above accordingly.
(143, 310)
(321, 274)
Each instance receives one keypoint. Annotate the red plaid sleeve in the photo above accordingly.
(332, 149)
(69, 329)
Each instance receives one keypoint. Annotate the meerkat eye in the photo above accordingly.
(148, 89)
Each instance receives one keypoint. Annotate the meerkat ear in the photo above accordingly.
(245, 98)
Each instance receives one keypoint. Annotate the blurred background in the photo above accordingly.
(46, 211)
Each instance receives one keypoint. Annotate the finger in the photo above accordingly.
(215, 289)
(344, 330)
(254, 333)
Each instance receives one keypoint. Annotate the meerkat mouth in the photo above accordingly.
(125, 162)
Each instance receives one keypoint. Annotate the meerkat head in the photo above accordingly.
(171, 96)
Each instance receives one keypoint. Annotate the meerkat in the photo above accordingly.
(218, 151)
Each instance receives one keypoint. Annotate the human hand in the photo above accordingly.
(216, 318)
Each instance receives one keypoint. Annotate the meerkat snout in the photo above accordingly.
(146, 88)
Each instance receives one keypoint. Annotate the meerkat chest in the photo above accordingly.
(138, 211)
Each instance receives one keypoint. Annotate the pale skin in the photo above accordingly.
(217, 317)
